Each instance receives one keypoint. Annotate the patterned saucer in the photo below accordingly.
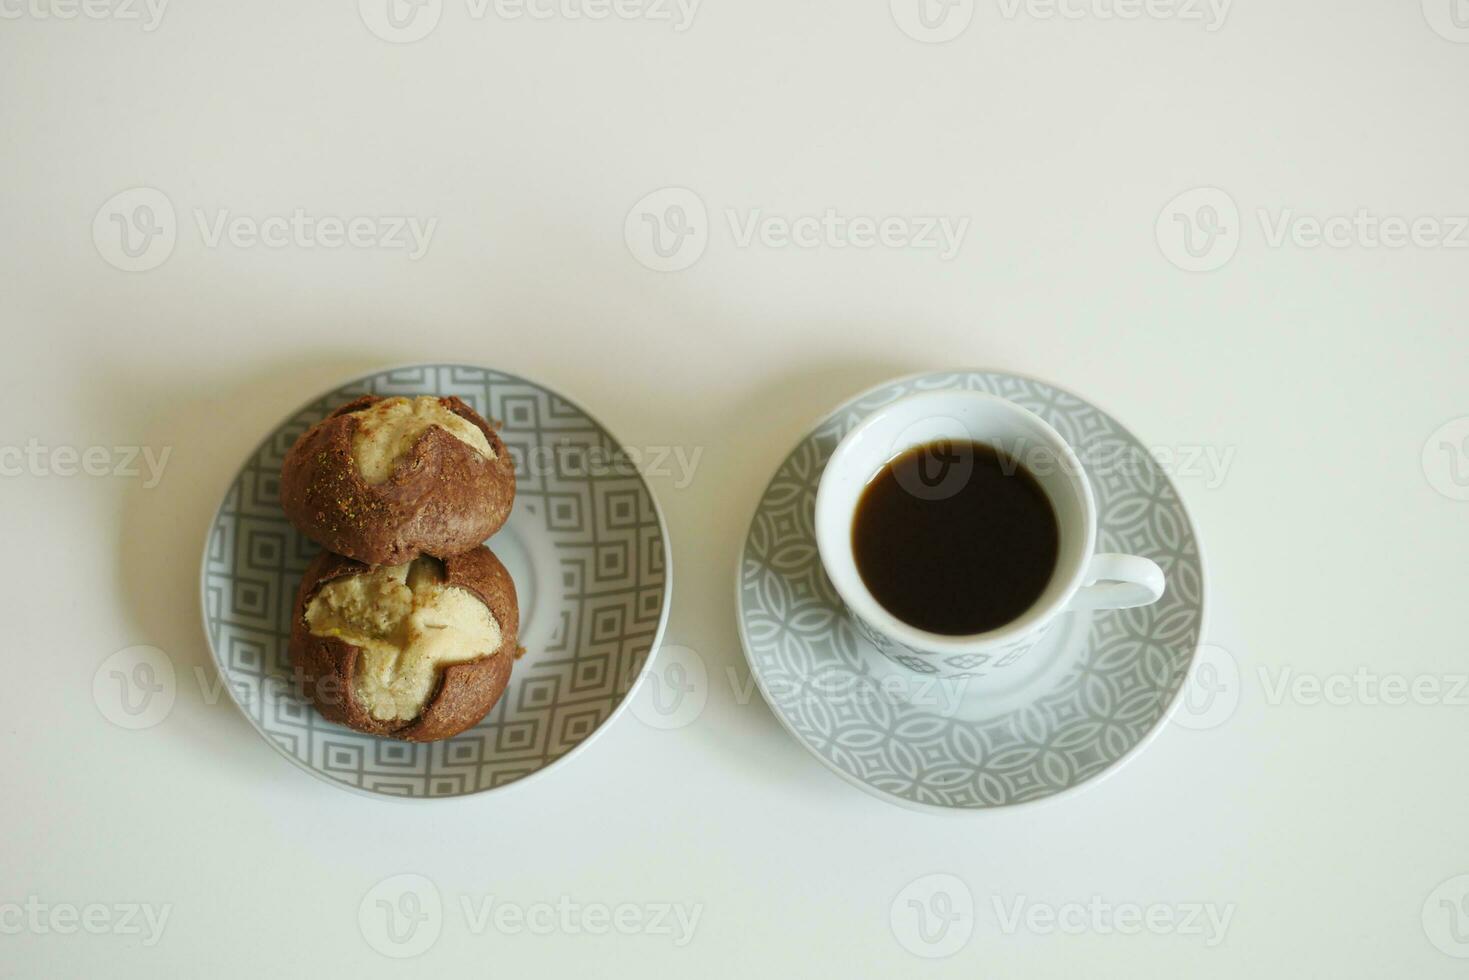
(586, 545)
(1091, 694)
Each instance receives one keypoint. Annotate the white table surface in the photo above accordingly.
(1323, 829)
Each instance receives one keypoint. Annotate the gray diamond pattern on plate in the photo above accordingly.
(804, 646)
(606, 534)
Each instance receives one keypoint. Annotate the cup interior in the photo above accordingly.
(921, 420)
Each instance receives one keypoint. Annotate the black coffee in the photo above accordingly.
(955, 538)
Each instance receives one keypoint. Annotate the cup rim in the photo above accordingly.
(865, 605)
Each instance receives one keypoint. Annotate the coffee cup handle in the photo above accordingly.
(1119, 582)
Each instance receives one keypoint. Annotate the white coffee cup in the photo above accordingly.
(1082, 579)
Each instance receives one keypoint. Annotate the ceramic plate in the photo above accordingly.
(1088, 696)
(586, 545)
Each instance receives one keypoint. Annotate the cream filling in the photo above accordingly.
(409, 626)
(388, 429)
